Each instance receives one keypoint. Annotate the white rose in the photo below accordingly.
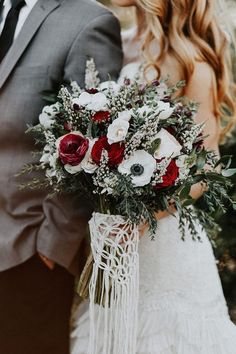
(95, 102)
(164, 109)
(169, 146)
(141, 166)
(110, 86)
(83, 100)
(125, 115)
(98, 102)
(47, 117)
(117, 130)
(87, 163)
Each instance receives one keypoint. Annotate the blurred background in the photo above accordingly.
(226, 241)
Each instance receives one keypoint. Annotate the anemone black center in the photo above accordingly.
(137, 169)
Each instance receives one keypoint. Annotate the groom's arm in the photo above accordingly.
(100, 40)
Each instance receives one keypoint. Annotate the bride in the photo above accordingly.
(182, 309)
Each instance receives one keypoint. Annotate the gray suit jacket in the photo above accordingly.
(52, 48)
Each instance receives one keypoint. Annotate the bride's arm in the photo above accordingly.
(201, 89)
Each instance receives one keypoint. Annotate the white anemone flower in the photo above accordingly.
(47, 117)
(117, 130)
(164, 109)
(169, 146)
(141, 166)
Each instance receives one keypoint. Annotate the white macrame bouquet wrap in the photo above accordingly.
(114, 245)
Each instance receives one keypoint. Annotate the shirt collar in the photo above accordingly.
(29, 3)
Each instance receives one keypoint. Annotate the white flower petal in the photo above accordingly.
(144, 110)
(169, 146)
(84, 99)
(45, 120)
(147, 162)
(45, 158)
(165, 110)
(87, 163)
(72, 169)
(117, 130)
(98, 102)
(47, 117)
(125, 115)
(110, 86)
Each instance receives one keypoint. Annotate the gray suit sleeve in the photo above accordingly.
(99, 40)
(65, 218)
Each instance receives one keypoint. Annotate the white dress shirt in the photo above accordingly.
(24, 13)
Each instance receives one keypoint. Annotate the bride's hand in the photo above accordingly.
(162, 214)
(142, 228)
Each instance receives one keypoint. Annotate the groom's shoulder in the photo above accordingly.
(87, 9)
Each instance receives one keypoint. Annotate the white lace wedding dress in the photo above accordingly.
(182, 309)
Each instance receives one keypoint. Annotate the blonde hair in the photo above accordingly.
(181, 25)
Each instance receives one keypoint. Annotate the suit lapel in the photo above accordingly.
(31, 25)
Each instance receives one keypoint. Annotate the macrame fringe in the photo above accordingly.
(114, 245)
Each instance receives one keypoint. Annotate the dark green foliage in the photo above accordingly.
(226, 243)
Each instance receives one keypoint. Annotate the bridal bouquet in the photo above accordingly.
(133, 149)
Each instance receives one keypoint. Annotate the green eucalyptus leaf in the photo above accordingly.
(199, 178)
(201, 160)
(154, 146)
(188, 202)
(215, 177)
(228, 172)
(184, 193)
(224, 160)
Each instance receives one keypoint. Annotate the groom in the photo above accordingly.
(43, 43)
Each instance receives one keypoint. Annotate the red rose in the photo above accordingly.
(92, 91)
(101, 116)
(115, 151)
(172, 173)
(72, 148)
